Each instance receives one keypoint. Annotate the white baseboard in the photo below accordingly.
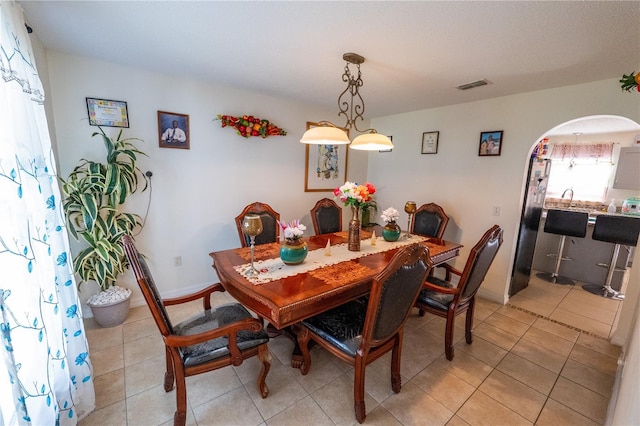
(492, 296)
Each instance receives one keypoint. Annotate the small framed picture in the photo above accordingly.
(105, 112)
(430, 142)
(387, 150)
(173, 130)
(490, 143)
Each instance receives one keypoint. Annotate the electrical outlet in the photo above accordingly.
(496, 210)
(177, 261)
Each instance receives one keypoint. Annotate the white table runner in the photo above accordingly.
(275, 269)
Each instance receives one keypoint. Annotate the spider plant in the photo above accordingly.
(94, 193)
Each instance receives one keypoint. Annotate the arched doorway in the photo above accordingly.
(620, 130)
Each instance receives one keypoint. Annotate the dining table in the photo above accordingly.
(331, 275)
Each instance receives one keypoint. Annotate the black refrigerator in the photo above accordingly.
(537, 179)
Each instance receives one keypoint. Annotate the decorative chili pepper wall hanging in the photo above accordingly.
(630, 82)
(248, 125)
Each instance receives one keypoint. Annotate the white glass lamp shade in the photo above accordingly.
(325, 135)
(371, 142)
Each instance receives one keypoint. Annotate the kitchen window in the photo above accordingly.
(585, 168)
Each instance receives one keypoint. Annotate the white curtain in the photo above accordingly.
(45, 371)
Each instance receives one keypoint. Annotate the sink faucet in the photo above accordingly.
(570, 199)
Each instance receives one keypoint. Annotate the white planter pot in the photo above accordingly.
(110, 314)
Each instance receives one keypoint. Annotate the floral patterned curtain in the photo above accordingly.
(595, 151)
(45, 371)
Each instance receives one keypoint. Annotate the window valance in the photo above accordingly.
(596, 151)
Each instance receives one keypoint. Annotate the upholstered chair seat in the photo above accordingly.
(436, 299)
(219, 347)
(342, 326)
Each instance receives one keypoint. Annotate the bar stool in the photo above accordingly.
(621, 231)
(564, 223)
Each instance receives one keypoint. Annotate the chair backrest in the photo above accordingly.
(566, 222)
(394, 292)
(326, 216)
(147, 286)
(478, 263)
(617, 229)
(429, 220)
(270, 228)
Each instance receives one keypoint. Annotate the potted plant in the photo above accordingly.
(391, 231)
(295, 249)
(94, 193)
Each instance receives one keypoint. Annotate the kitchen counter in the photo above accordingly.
(585, 252)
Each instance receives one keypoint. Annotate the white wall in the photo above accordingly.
(468, 186)
(197, 192)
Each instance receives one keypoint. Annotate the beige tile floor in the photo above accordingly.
(520, 369)
(570, 305)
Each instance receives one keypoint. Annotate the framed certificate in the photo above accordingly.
(105, 112)
(430, 142)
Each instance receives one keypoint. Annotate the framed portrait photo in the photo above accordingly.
(490, 143)
(106, 112)
(430, 142)
(325, 165)
(173, 130)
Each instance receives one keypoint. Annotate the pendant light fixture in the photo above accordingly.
(351, 105)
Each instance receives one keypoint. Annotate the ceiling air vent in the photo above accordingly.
(474, 84)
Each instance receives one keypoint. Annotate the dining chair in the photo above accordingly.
(270, 228)
(446, 299)
(215, 338)
(361, 331)
(326, 216)
(429, 220)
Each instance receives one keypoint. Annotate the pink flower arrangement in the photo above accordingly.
(352, 194)
(292, 231)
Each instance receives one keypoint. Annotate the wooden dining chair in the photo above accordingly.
(215, 338)
(270, 229)
(326, 216)
(361, 331)
(447, 299)
(429, 220)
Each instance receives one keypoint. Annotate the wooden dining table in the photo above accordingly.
(286, 301)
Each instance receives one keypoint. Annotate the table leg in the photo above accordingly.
(291, 332)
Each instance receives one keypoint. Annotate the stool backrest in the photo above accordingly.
(617, 229)
(566, 222)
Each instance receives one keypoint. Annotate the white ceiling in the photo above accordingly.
(416, 52)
